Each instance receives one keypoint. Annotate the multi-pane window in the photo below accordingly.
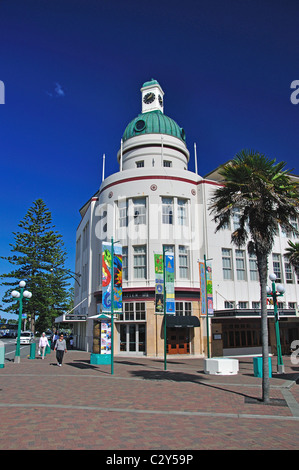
(243, 304)
(140, 311)
(227, 264)
(123, 213)
(133, 311)
(254, 276)
(182, 212)
(129, 311)
(167, 163)
(183, 262)
(167, 210)
(140, 164)
(139, 262)
(125, 263)
(277, 266)
(183, 308)
(288, 272)
(240, 265)
(139, 211)
(229, 304)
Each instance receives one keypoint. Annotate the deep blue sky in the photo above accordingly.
(73, 70)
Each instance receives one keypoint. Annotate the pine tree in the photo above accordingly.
(39, 259)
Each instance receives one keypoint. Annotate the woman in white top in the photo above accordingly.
(43, 343)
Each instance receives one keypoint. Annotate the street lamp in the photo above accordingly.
(19, 295)
(274, 292)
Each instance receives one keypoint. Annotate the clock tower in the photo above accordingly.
(152, 97)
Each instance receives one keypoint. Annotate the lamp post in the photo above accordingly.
(274, 292)
(19, 296)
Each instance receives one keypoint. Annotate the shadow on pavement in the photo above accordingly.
(185, 377)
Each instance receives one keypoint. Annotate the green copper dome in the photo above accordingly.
(153, 122)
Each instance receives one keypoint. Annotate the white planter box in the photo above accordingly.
(221, 366)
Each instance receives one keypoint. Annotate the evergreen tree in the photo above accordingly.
(38, 258)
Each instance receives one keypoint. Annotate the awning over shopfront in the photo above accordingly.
(100, 317)
(179, 321)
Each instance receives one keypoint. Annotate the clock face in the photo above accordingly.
(149, 97)
(160, 100)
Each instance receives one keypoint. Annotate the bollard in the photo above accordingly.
(48, 348)
(32, 351)
(2, 354)
(258, 367)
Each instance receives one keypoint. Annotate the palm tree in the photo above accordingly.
(266, 198)
(293, 255)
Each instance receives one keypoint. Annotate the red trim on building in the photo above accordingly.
(159, 177)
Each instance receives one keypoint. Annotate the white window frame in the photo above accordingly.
(139, 262)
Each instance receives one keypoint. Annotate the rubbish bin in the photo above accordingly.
(258, 366)
(32, 351)
(2, 354)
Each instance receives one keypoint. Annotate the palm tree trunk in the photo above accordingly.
(263, 268)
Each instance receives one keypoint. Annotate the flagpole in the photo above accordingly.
(112, 305)
(195, 157)
(103, 168)
(121, 155)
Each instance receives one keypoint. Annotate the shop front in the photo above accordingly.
(179, 331)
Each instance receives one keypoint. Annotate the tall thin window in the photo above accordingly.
(167, 210)
(125, 262)
(277, 266)
(288, 272)
(123, 213)
(254, 276)
(86, 236)
(236, 214)
(227, 264)
(140, 262)
(183, 262)
(139, 211)
(240, 265)
(182, 212)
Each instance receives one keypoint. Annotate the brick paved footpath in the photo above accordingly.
(142, 407)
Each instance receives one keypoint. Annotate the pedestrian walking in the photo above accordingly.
(60, 348)
(43, 343)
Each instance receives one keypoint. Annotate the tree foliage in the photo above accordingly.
(38, 257)
(292, 254)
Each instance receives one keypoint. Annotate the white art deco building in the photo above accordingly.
(152, 202)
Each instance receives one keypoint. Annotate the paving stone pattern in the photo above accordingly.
(80, 406)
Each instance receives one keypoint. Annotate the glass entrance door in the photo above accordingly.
(132, 338)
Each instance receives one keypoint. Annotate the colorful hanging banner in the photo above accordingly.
(105, 337)
(206, 288)
(203, 296)
(159, 284)
(169, 282)
(209, 287)
(106, 277)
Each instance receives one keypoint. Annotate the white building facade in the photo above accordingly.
(152, 203)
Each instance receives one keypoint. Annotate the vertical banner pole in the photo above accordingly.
(164, 306)
(207, 312)
(112, 306)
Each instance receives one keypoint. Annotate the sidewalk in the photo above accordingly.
(143, 407)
